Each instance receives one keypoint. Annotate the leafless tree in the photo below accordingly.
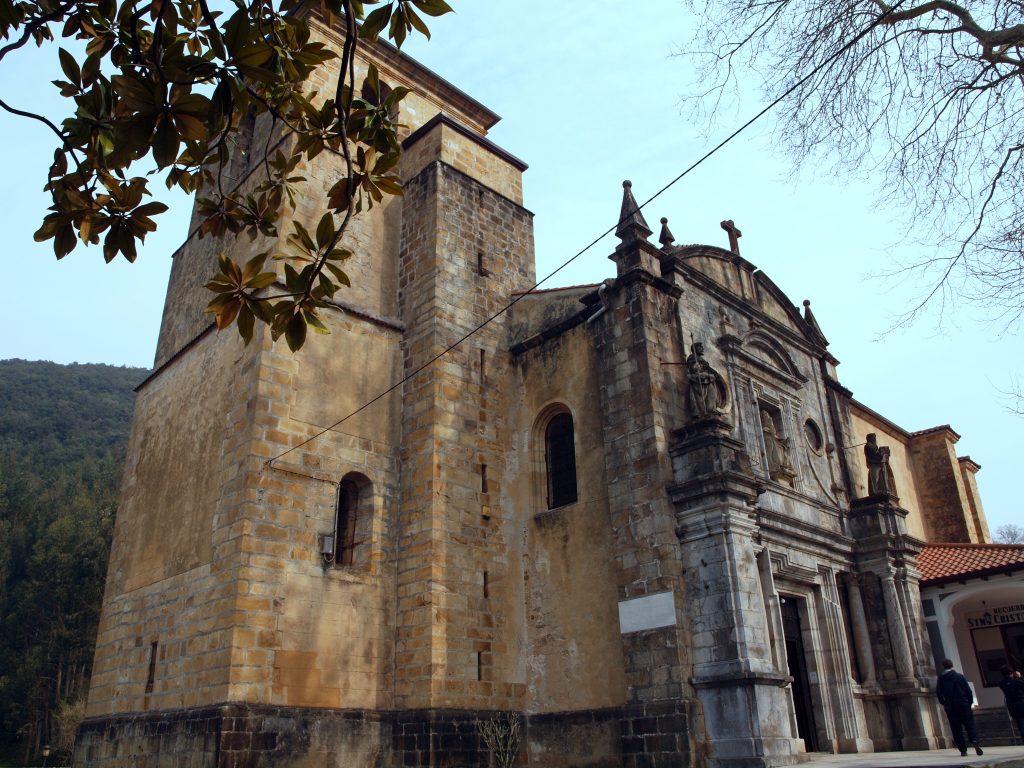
(1010, 534)
(501, 735)
(930, 99)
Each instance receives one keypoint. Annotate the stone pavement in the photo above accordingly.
(994, 757)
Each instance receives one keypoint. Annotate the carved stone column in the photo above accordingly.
(910, 601)
(897, 634)
(773, 608)
(849, 719)
(861, 636)
(734, 662)
(903, 711)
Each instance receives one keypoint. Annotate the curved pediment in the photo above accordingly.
(767, 354)
(743, 280)
(717, 264)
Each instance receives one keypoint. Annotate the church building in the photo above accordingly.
(643, 516)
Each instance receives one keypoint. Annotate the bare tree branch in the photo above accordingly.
(932, 99)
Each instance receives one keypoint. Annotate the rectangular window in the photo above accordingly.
(996, 646)
(353, 530)
(560, 457)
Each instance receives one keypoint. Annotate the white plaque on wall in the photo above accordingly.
(647, 612)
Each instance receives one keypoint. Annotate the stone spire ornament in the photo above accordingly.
(812, 322)
(665, 238)
(632, 225)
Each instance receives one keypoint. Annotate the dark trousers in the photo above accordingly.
(961, 719)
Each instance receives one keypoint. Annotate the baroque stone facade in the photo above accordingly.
(638, 514)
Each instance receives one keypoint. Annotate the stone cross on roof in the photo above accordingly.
(734, 236)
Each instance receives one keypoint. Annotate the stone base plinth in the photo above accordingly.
(653, 734)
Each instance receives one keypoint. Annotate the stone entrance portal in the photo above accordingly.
(792, 633)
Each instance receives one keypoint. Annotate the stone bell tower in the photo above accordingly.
(235, 630)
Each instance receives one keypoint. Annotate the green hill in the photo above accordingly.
(63, 430)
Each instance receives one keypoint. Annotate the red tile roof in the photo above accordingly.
(952, 562)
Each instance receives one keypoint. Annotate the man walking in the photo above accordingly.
(956, 697)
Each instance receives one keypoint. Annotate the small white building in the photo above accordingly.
(973, 603)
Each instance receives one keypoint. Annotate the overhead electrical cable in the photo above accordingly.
(771, 105)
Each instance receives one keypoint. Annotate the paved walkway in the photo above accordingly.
(1001, 757)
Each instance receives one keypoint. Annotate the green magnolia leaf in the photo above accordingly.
(246, 322)
(433, 7)
(325, 231)
(70, 66)
(417, 22)
(253, 266)
(303, 236)
(165, 143)
(339, 274)
(227, 313)
(375, 22)
(261, 309)
(295, 332)
(167, 82)
(262, 280)
(313, 320)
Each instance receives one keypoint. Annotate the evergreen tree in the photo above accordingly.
(62, 435)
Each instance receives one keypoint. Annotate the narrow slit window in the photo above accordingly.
(480, 268)
(152, 666)
(483, 478)
(560, 460)
(487, 586)
(483, 366)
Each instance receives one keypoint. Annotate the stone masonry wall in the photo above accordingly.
(172, 589)
(947, 513)
(573, 653)
(640, 405)
(316, 635)
(465, 248)
(373, 235)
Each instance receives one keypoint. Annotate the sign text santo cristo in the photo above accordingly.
(1006, 614)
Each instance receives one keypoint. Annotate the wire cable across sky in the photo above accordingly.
(823, 66)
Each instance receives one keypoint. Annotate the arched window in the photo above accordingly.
(353, 525)
(560, 460)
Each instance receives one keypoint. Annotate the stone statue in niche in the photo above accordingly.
(707, 391)
(880, 477)
(780, 467)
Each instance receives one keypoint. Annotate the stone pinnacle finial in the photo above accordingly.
(811, 321)
(632, 225)
(665, 238)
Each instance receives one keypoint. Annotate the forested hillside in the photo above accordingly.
(63, 430)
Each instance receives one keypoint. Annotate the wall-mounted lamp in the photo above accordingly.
(327, 547)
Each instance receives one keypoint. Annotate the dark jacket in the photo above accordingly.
(1013, 690)
(953, 689)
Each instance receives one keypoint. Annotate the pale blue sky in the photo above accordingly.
(590, 96)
